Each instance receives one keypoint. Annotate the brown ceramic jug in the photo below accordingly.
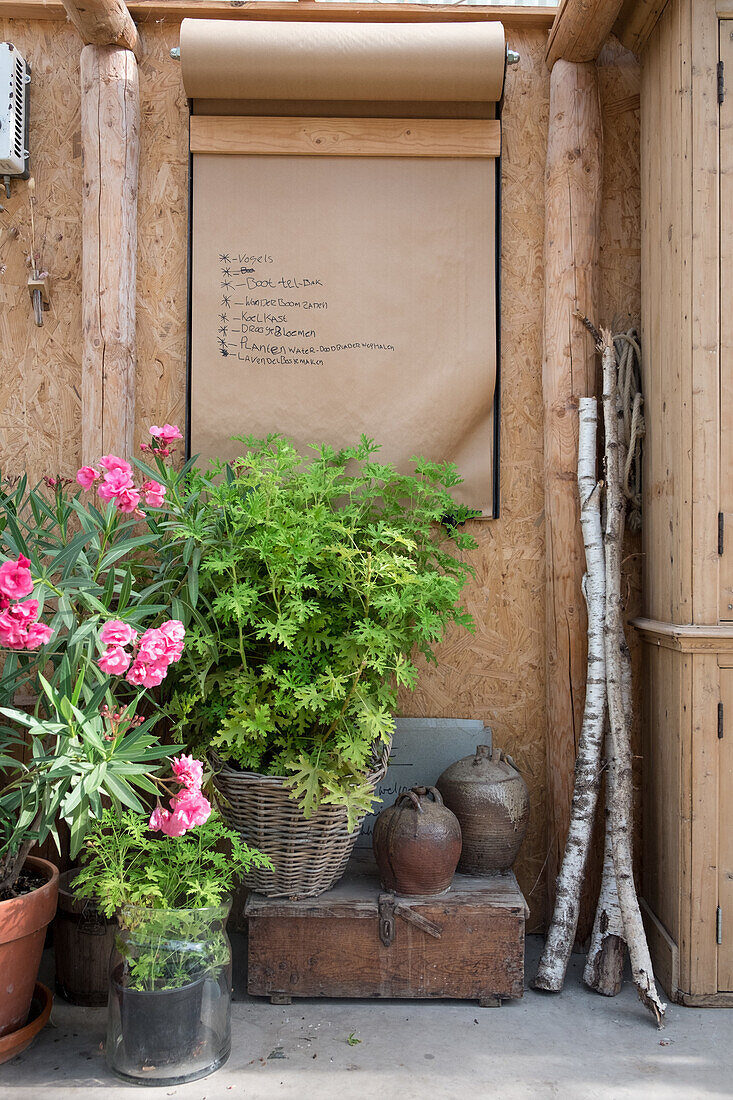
(417, 842)
(490, 799)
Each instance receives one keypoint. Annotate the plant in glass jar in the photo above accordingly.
(169, 880)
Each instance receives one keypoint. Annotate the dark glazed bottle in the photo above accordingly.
(490, 799)
(417, 842)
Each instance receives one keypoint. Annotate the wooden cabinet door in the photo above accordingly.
(725, 836)
(726, 321)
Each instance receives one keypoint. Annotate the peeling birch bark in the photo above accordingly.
(605, 962)
(561, 934)
(618, 697)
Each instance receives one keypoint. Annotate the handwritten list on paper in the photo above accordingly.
(268, 318)
(333, 297)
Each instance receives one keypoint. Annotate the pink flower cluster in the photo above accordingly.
(189, 807)
(19, 626)
(115, 483)
(147, 664)
(163, 439)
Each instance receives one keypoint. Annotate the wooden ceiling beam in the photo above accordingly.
(104, 23)
(580, 29)
(173, 11)
(636, 21)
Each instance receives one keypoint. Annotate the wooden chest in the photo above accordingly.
(357, 941)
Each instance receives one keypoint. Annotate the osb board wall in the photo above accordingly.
(496, 674)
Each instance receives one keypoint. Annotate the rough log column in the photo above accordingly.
(572, 218)
(110, 132)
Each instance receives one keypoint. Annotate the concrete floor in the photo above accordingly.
(575, 1046)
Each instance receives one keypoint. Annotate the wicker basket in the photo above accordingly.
(309, 855)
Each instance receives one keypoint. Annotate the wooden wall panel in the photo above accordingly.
(496, 674)
(40, 375)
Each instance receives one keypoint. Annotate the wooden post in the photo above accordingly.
(572, 221)
(110, 131)
(104, 23)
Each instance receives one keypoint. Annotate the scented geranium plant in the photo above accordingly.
(169, 879)
(315, 581)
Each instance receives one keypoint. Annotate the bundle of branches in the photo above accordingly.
(608, 710)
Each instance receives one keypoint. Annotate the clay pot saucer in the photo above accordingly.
(17, 1041)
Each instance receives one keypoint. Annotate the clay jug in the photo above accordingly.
(417, 842)
(490, 799)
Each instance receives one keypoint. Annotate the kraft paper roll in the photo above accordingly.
(447, 62)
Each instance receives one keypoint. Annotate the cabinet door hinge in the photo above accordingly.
(721, 83)
(721, 533)
(718, 925)
(720, 721)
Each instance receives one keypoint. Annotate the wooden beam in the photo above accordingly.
(173, 11)
(580, 29)
(110, 139)
(346, 137)
(104, 23)
(573, 180)
(636, 21)
(688, 637)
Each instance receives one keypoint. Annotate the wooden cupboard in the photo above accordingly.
(687, 632)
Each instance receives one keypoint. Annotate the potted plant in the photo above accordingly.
(311, 582)
(72, 741)
(169, 880)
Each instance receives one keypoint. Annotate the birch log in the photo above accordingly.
(110, 131)
(621, 809)
(561, 935)
(572, 220)
(604, 965)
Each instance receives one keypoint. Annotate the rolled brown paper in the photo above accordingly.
(438, 62)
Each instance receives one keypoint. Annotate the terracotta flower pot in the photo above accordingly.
(23, 923)
(16, 1042)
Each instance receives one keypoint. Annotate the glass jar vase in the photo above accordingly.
(170, 991)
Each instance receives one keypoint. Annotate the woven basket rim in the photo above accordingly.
(281, 780)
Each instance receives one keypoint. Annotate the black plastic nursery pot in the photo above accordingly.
(166, 1036)
(159, 1026)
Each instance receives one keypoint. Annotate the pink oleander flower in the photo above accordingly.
(154, 493)
(25, 612)
(127, 501)
(114, 661)
(191, 807)
(86, 476)
(110, 463)
(37, 634)
(152, 646)
(15, 578)
(188, 771)
(169, 433)
(147, 674)
(115, 482)
(166, 822)
(115, 632)
(13, 634)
